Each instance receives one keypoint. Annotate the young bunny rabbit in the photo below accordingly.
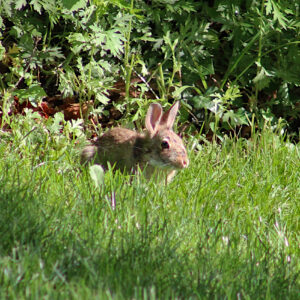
(158, 149)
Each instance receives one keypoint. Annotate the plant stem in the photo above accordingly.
(259, 45)
(128, 65)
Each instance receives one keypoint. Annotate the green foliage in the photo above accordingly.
(61, 45)
(50, 138)
(190, 50)
(226, 227)
(245, 43)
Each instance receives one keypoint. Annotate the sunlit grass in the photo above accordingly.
(228, 226)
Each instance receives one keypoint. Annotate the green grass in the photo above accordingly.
(225, 228)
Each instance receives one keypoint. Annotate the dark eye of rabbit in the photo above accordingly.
(165, 145)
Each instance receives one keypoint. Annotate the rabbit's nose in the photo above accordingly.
(185, 162)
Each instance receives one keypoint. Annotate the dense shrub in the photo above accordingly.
(230, 62)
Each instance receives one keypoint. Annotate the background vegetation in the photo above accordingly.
(228, 62)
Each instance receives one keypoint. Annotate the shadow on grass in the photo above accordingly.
(129, 264)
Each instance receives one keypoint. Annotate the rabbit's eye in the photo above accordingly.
(165, 145)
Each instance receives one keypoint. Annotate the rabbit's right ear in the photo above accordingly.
(153, 117)
(168, 118)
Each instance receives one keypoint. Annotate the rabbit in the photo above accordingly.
(159, 149)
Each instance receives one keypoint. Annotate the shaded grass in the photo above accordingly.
(227, 227)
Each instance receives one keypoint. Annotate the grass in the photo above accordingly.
(227, 227)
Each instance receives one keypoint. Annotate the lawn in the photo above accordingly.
(227, 227)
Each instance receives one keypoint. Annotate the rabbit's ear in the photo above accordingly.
(168, 118)
(153, 117)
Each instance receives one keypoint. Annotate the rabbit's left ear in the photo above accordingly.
(153, 118)
(168, 118)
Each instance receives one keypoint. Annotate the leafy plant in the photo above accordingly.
(186, 50)
(219, 45)
(42, 63)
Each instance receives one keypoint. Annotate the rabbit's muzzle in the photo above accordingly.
(181, 162)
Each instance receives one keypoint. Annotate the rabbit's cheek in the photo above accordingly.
(158, 163)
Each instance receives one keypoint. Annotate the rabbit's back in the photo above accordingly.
(114, 147)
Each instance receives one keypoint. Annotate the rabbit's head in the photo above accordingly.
(164, 147)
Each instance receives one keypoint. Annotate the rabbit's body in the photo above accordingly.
(158, 148)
